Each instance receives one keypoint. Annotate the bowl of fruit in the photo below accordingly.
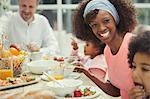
(15, 57)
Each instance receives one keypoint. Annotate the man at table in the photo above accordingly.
(33, 30)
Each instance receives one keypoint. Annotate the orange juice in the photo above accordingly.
(4, 73)
(58, 76)
(1, 46)
(5, 53)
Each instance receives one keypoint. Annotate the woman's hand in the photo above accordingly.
(136, 92)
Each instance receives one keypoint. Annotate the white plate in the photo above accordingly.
(73, 75)
(20, 84)
(85, 97)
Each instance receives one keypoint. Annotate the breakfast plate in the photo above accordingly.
(82, 88)
(73, 75)
(19, 83)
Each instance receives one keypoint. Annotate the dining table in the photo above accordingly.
(41, 85)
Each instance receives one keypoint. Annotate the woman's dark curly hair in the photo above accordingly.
(126, 12)
(140, 44)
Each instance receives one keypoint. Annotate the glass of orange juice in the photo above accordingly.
(57, 72)
(6, 68)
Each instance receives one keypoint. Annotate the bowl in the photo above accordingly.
(39, 66)
(69, 86)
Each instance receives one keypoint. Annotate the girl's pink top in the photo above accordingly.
(96, 66)
(118, 68)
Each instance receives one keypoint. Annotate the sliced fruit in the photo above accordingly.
(14, 51)
(22, 52)
(77, 93)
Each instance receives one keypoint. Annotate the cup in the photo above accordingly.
(57, 72)
(68, 69)
(6, 68)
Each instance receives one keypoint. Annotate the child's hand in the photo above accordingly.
(79, 69)
(74, 44)
(137, 92)
(82, 70)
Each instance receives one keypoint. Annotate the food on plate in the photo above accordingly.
(19, 80)
(31, 94)
(10, 81)
(78, 93)
(82, 92)
(27, 77)
(88, 92)
(36, 94)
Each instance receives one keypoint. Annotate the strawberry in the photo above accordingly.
(77, 93)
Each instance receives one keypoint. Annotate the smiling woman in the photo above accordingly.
(105, 19)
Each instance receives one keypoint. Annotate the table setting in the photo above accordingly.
(40, 75)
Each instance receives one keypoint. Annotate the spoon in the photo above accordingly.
(53, 79)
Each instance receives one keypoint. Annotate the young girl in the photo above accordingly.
(106, 19)
(93, 59)
(139, 59)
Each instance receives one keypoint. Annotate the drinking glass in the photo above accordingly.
(57, 72)
(6, 68)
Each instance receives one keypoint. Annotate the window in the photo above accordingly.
(60, 12)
